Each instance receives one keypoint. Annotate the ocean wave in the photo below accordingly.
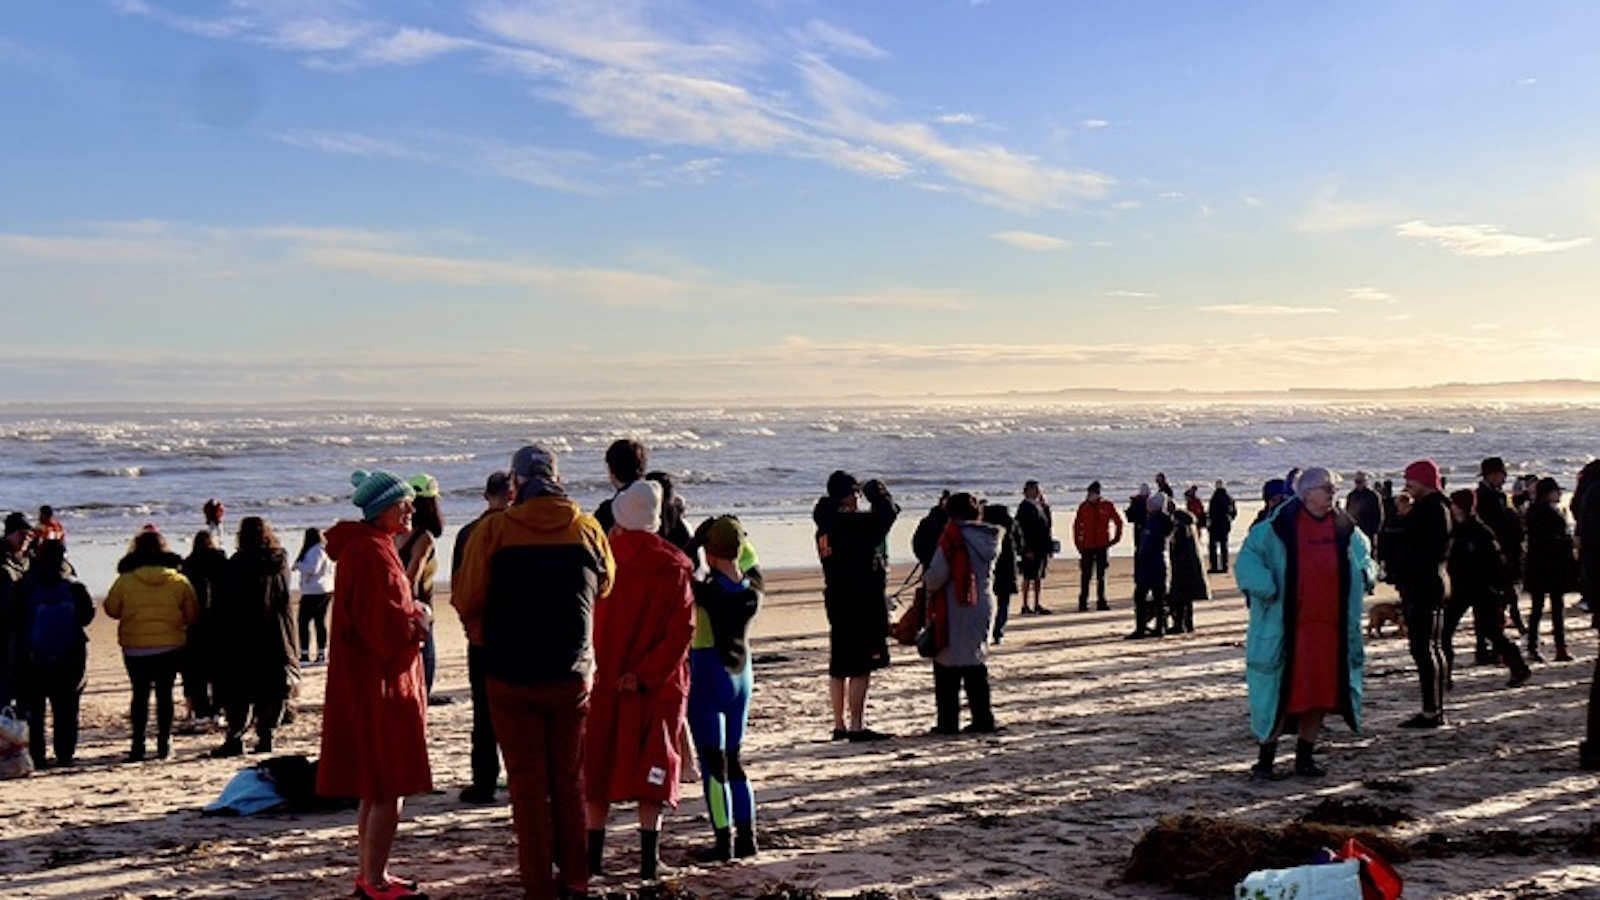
(112, 472)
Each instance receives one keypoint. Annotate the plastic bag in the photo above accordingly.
(15, 761)
(1335, 881)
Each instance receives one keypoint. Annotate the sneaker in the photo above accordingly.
(1534, 655)
(230, 747)
(1306, 768)
(1562, 655)
(305, 659)
(1039, 610)
(1258, 772)
(840, 733)
(475, 794)
(868, 735)
(1423, 720)
(1518, 679)
(1103, 606)
(1025, 611)
(1139, 635)
(986, 728)
(943, 730)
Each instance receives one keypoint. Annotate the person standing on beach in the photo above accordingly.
(1495, 509)
(1586, 510)
(1038, 543)
(721, 680)
(214, 511)
(1477, 573)
(1304, 572)
(852, 546)
(1425, 536)
(316, 592)
(529, 582)
(154, 606)
(1551, 564)
(641, 684)
(626, 460)
(13, 565)
(419, 551)
(1164, 487)
(1137, 513)
(1150, 570)
(1365, 506)
(252, 620)
(375, 716)
(53, 610)
(206, 567)
(485, 749)
(959, 584)
(1095, 530)
(1188, 572)
(1220, 513)
(1005, 564)
(49, 528)
(926, 538)
(674, 513)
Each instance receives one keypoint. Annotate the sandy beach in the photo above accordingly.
(1101, 737)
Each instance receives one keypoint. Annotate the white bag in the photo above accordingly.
(1333, 881)
(15, 761)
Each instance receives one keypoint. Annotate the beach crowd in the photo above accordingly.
(609, 655)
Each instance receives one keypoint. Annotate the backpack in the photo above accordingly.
(53, 630)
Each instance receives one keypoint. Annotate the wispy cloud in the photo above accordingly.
(1133, 295)
(1485, 240)
(1330, 213)
(1093, 124)
(567, 171)
(647, 73)
(1247, 309)
(1030, 240)
(1368, 295)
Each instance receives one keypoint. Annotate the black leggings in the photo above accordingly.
(158, 671)
(314, 613)
(1558, 620)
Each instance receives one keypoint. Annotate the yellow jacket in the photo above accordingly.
(154, 606)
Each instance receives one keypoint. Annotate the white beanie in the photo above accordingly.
(637, 507)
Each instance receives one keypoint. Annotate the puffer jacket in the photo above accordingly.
(152, 601)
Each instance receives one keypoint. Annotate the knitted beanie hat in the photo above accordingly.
(1424, 472)
(1464, 500)
(637, 507)
(377, 491)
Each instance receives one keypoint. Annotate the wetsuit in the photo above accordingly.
(720, 682)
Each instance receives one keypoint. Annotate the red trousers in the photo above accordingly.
(540, 730)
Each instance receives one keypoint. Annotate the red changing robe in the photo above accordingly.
(644, 627)
(1318, 630)
(374, 718)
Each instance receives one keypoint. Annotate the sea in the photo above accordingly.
(109, 471)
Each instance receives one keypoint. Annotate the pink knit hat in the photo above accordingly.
(1424, 472)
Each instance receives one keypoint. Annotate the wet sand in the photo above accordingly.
(1101, 736)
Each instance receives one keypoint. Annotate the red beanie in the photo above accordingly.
(1464, 500)
(1424, 472)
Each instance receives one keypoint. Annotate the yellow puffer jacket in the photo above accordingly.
(154, 606)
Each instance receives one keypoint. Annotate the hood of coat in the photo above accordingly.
(262, 559)
(341, 537)
(545, 513)
(983, 540)
(134, 561)
(645, 550)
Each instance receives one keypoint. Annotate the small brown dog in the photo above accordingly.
(1381, 614)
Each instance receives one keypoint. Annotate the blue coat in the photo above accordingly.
(1266, 572)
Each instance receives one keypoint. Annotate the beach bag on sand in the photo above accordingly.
(15, 761)
(1332, 881)
(1379, 880)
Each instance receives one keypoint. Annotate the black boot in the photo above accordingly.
(597, 849)
(721, 851)
(1304, 765)
(649, 853)
(1262, 770)
(744, 842)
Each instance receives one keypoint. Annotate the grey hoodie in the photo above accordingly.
(969, 625)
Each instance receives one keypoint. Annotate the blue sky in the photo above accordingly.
(598, 200)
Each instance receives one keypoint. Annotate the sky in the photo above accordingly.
(488, 201)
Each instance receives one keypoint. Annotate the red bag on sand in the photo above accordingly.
(911, 621)
(1379, 880)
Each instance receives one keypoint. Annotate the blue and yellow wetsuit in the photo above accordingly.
(720, 682)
